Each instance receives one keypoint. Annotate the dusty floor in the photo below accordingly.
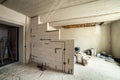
(97, 69)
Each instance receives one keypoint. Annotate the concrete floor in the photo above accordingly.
(97, 69)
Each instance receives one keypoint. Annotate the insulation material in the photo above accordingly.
(49, 50)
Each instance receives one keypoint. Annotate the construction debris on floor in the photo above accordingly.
(42, 67)
(106, 57)
(97, 69)
(81, 57)
(91, 52)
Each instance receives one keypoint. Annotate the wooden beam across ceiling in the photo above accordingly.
(80, 25)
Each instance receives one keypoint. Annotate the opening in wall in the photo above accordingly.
(8, 44)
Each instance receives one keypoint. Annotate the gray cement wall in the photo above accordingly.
(89, 37)
(49, 50)
(116, 39)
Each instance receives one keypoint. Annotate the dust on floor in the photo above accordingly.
(97, 69)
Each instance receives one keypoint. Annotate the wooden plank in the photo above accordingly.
(80, 25)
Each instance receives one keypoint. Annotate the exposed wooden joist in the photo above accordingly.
(80, 25)
(101, 23)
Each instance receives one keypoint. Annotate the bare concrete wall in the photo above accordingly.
(11, 16)
(48, 49)
(89, 37)
(116, 39)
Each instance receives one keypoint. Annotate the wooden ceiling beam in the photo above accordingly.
(80, 25)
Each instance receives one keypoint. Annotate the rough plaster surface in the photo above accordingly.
(116, 39)
(89, 37)
(97, 69)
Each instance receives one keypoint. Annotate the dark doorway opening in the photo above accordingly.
(8, 44)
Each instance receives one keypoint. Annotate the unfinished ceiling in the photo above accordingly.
(65, 12)
(37, 7)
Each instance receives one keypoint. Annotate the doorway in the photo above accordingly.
(8, 44)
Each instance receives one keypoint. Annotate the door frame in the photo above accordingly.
(21, 39)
